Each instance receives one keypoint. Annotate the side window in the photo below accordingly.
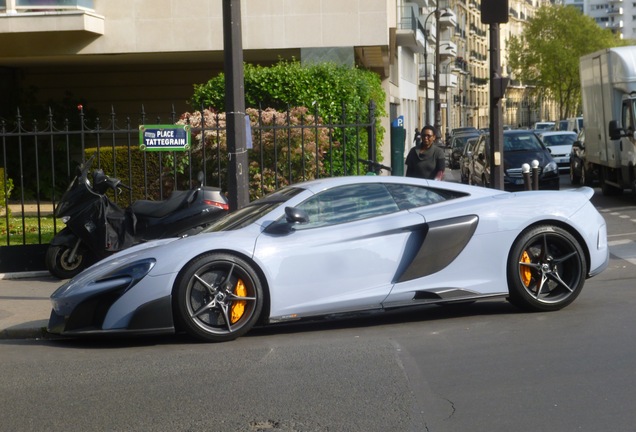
(628, 123)
(348, 203)
(408, 196)
(480, 147)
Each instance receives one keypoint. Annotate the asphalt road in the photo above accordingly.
(481, 367)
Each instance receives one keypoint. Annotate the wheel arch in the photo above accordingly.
(264, 315)
(565, 226)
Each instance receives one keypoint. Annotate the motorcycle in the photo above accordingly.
(97, 227)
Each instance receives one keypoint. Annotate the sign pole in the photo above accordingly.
(238, 170)
(493, 13)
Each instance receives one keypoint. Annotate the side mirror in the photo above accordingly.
(293, 216)
(615, 132)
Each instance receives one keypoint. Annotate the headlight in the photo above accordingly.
(133, 272)
(551, 166)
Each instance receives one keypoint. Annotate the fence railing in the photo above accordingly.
(287, 147)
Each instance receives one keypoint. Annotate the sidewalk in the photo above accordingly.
(24, 304)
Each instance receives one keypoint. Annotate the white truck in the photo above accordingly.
(608, 87)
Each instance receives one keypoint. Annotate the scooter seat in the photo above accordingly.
(159, 209)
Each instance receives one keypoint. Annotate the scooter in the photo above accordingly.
(374, 168)
(97, 227)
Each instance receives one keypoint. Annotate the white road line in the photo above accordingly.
(623, 249)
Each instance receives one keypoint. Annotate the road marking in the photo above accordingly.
(623, 249)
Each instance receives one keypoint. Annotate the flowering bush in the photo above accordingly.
(285, 149)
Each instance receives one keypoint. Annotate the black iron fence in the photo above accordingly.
(39, 158)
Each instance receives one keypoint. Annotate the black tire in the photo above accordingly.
(463, 178)
(208, 294)
(58, 264)
(608, 189)
(587, 179)
(546, 269)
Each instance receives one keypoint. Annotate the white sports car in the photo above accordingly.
(341, 245)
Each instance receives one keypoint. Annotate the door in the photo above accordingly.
(343, 259)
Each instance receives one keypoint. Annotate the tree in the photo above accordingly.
(547, 53)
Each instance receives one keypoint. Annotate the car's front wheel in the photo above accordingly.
(218, 298)
(546, 269)
(62, 263)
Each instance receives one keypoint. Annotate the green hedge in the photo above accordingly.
(4, 195)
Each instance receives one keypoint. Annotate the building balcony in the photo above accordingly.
(410, 32)
(427, 72)
(615, 25)
(447, 49)
(449, 20)
(614, 11)
(448, 80)
(46, 16)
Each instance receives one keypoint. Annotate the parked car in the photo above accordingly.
(463, 129)
(456, 149)
(560, 145)
(575, 124)
(544, 126)
(467, 159)
(561, 125)
(340, 245)
(519, 147)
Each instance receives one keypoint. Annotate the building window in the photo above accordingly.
(14, 6)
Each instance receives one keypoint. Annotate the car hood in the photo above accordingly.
(515, 159)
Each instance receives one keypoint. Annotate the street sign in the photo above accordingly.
(164, 137)
(398, 122)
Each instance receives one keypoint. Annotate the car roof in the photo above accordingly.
(317, 185)
(547, 133)
(515, 132)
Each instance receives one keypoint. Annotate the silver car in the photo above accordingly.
(339, 246)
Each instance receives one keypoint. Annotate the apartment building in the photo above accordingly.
(617, 15)
(122, 55)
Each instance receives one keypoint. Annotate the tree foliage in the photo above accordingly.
(335, 93)
(547, 53)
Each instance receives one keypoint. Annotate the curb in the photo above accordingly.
(23, 275)
(36, 332)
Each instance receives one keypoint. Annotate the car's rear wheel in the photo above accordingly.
(218, 298)
(546, 269)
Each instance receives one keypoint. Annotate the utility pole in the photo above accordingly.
(238, 186)
(493, 13)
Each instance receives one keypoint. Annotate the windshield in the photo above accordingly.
(558, 140)
(245, 216)
(522, 142)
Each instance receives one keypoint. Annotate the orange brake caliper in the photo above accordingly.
(526, 273)
(238, 306)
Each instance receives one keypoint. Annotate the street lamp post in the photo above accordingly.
(426, 117)
(436, 102)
